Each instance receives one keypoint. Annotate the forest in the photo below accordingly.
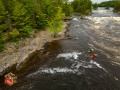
(18, 18)
(113, 3)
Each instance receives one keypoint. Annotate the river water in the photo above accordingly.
(65, 65)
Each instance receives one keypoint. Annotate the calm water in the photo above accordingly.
(65, 65)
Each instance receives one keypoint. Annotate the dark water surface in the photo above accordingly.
(65, 64)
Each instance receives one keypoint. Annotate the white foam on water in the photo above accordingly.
(69, 55)
(116, 19)
(101, 22)
(75, 19)
(52, 71)
(77, 67)
(57, 70)
(97, 27)
(95, 63)
(85, 64)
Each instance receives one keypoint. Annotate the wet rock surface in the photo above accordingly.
(18, 53)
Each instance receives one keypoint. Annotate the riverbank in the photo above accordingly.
(17, 53)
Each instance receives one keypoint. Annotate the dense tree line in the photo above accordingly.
(117, 6)
(95, 6)
(107, 4)
(84, 7)
(18, 18)
(113, 3)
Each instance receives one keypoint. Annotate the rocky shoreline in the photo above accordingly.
(16, 54)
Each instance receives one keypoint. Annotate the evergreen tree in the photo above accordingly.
(117, 6)
(19, 17)
(49, 8)
(3, 14)
(3, 24)
(55, 25)
(37, 17)
(107, 4)
(8, 4)
(84, 7)
(95, 6)
(21, 22)
(67, 8)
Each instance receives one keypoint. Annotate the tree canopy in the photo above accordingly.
(84, 7)
(117, 6)
(18, 18)
(113, 3)
(107, 4)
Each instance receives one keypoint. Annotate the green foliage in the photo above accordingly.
(21, 22)
(38, 19)
(14, 35)
(95, 6)
(84, 7)
(25, 31)
(8, 6)
(3, 14)
(1, 45)
(1, 34)
(107, 4)
(117, 6)
(67, 9)
(49, 8)
(55, 25)
(3, 26)
(112, 3)
(41, 21)
(18, 18)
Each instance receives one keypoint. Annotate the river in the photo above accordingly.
(65, 65)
